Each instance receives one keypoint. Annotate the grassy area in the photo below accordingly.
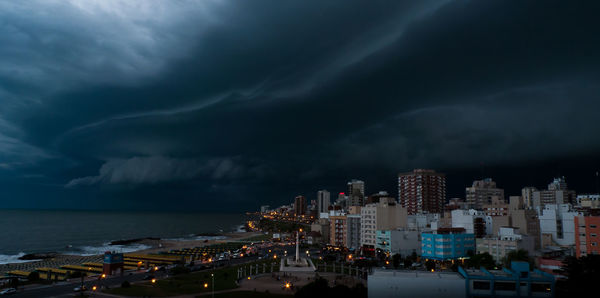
(258, 238)
(192, 283)
(249, 294)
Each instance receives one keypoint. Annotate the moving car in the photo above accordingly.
(80, 289)
(8, 291)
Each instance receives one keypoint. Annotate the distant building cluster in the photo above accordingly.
(549, 223)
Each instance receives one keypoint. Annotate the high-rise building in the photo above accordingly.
(524, 218)
(527, 194)
(385, 215)
(323, 201)
(498, 207)
(300, 205)
(356, 192)
(558, 221)
(482, 192)
(557, 194)
(338, 233)
(353, 229)
(422, 191)
(587, 235)
(342, 200)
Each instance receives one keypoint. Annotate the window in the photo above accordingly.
(504, 286)
(541, 287)
(481, 285)
(593, 226)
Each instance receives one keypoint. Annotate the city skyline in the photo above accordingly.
(226, 106)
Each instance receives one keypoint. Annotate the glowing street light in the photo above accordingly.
(205, 285)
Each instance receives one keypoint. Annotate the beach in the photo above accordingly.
(156, 246)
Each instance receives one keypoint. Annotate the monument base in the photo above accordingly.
(302, 265)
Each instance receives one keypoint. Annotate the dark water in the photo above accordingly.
(88, 232)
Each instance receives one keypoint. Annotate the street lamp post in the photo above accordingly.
(213, 284)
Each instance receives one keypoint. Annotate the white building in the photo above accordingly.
(473, 221)
(588, 201)
(399, 241)
(385, 215)
(422, 221)
(558, 221)
(416, 284)
(508, 239)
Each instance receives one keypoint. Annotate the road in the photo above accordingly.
(65, 289)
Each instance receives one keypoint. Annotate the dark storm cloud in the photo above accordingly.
(271, 99)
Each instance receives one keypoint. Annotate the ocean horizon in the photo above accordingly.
(85, 232)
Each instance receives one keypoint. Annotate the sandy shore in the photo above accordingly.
(167, 245)
(55, 262)
(156, 247)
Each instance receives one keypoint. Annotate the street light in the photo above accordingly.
(213, 284)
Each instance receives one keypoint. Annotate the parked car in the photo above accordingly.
(148, 277)
(80, 289)
(8, 291)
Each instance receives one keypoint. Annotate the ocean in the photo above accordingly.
(90, 232)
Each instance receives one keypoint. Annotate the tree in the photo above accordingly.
(481, 260)
(396, 260)
(320, 288)
(430, 265)
(582, 274)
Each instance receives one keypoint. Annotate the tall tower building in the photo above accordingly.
(300, 205)
(557, 193)
(323, 201)
(482, 192)
(422, 191)
(356, 192)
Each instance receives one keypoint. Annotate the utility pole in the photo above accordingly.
(213, 284)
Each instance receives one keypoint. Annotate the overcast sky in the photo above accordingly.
(226, 105)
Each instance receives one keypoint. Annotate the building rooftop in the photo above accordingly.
(415, 273)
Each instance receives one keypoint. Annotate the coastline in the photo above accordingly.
(155, 246)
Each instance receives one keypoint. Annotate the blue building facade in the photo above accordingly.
(447, 244)
(515, 282)
(384, 240)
